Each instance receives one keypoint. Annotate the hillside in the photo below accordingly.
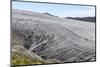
(88, 19)
(50, 37)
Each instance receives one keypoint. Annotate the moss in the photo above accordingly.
(21, 59)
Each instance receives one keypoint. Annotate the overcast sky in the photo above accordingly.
(56, 9)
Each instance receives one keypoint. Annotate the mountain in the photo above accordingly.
(88, 19)
(53, 39)
(50, 14)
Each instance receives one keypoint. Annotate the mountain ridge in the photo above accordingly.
(50, 37)
(89, 19)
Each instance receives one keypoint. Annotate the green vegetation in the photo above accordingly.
(19, 56)
(21, 59)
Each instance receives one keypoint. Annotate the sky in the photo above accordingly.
(60, 10)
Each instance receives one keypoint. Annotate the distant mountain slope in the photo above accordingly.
(88, 19)
(51, 37)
